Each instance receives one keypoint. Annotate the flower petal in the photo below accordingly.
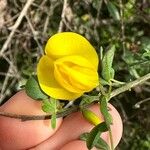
(69, 43)
(76, 74)
(85, 82)
(63, 78)
(48, 84)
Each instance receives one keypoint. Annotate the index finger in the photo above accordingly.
(74, 125)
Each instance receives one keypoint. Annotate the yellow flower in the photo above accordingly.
(69, 66)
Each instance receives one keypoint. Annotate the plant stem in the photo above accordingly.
(129, 85)
(137, 105)
(60, 114)
(111, 139)
(116, 81)
(77, 108)
(39, 117)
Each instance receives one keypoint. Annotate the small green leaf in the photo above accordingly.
(145, 43)
(86, 100)
(107, 70)
(146, 54)
(101, 53)
(95, 134)
(33, 89)
(104, 111)
(84, 136)
(53, 121)
(101, 144)
(113, 10)
(112, 73)
(103, 82)
(50, 106)
(46, 107)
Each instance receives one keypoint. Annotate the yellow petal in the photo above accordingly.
(75, 60)
(45, 73)
(63, 79)
(69, 43)
(76, 74)
(83, 81)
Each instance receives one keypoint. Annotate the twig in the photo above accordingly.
(40, 117)
(4, 85)
(122, 26)
(11, 19)
(76, 108)
(34, 35)
(130, 85)
(17, 23)
(47, 20)
(122, 110)
(52, 7)
(8, 74)
(97, 20)
(137, 105)
(61, 24)
(69, 104)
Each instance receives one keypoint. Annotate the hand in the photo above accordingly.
(38, 135)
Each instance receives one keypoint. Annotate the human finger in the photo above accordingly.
(17, 135)
(74, 125)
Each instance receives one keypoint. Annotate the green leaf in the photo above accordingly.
(103, 82)
(86, 100)
(84, 136)
(104, 111)
(95, 134)
(50, 106)
(101, 144)
(107, 70)
(146, 54)
(145, 43)
(53, 121)
(112, 73)
(113, 10)
(46, 107)
(33, 89)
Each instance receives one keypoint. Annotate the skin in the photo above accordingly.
(38, 135)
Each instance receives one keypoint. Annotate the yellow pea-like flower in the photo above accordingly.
(69, 66)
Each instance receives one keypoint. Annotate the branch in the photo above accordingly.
(61, 24)
(63, 113)
(77, 108)
(39, 117)
(17, 23)
(130, 85)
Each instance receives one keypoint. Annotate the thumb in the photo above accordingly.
(74, 125)
(15, 134)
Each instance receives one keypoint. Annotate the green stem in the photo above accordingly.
(102, 90)
(60, 114)
(130, 85)
(109, 90)
(74, 109)
(116, 81)
(111, 139)
(110, 133)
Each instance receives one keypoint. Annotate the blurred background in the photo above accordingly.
(26, 25)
